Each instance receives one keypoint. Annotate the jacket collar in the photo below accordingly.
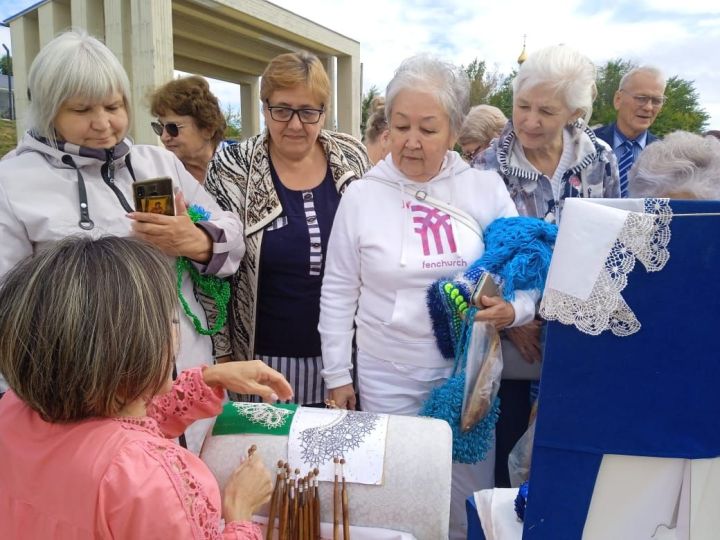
(82, 156)
(261, 194)
(587, 150)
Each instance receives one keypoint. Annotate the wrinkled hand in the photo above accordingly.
(174, 235)
(249, 377)
(527, 340)
(248, 488)
(497, 312)
(344, 397)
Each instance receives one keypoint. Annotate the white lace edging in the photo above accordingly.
(644, 237)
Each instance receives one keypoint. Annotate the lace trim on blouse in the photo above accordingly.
(644, 237)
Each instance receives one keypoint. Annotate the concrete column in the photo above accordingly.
(348, 94)
(25, 38)
(116, 14)
(331, 116)
(89, 14)
(53, 18)
(152, 59)
(250, 107)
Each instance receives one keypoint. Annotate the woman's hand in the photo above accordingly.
(527, 340)
(344, 397)
(174, 235)
(249, 377)
(497, 312)
(248, 488)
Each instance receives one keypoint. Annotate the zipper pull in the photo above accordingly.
(110, 155)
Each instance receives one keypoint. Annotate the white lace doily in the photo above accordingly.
(263, 414)
(643, 237)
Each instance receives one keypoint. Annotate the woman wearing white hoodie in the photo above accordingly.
(389, 243)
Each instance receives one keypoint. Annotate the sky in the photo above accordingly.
(680, 37)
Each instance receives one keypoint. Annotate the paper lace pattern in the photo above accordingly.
(644, 237)
(263, 414)
(319, 445)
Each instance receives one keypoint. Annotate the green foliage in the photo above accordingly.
(607, 81)
(681, 110)
(233, 130)
(503, 96)
(367, 99)
(482, 82)
(6, 65)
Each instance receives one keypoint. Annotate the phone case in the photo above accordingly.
(486, 286)
(155, 196)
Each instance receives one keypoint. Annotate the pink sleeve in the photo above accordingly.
(159, 490)
(190, 399)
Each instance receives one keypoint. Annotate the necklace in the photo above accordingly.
(212, 286)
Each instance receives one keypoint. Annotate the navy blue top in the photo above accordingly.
(288, 307)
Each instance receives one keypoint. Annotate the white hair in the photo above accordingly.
(650, 70)
(682, 162)
(74, 64)
(569, 73)
(482, 124)
(445, 81)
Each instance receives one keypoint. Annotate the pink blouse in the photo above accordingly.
(112, 478)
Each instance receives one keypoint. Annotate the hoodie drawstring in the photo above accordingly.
(107, 172)
(406, 216)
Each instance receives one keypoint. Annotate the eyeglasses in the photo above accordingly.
(172, 128)
(641, 101)
(285, 114)
(467, 156)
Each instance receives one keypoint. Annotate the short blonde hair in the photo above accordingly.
(73, 64)
(291, 70)
(482, 124)
(86, 327)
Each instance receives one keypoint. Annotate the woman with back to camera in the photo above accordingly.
(285, 185)
(189, 122)
(388, 245)
(73, 173)
(545, 154)
(376, 136)
(89, 334)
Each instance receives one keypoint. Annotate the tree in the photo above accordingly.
(6, 65)
(482, 83)
(681, 111)
(233, 129)
(367, 99)
(607, 81)
(502, 96)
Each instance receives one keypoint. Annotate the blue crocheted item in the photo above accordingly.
(521, 501)
(517, 254)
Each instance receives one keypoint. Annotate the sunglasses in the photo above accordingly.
(172, 128)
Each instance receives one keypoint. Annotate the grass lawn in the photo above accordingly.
(8, 140)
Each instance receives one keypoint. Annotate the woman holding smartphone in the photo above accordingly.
(73, 173)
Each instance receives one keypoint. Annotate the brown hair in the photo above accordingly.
(291, 70)
(377, 122)
(482, 124)
(86, 327)
(190, 96)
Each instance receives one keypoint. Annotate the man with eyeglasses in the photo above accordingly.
(637, 101)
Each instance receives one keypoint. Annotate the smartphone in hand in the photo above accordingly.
(155, 196)
(486, 286)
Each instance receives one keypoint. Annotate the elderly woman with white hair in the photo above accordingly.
(547, 153)
(396, 231)
(73, 173)
(481, 125)
(680, 166)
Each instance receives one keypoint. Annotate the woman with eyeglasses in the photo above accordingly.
(285, 185)
(481, 125)
(190, 123)
(73, 174)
